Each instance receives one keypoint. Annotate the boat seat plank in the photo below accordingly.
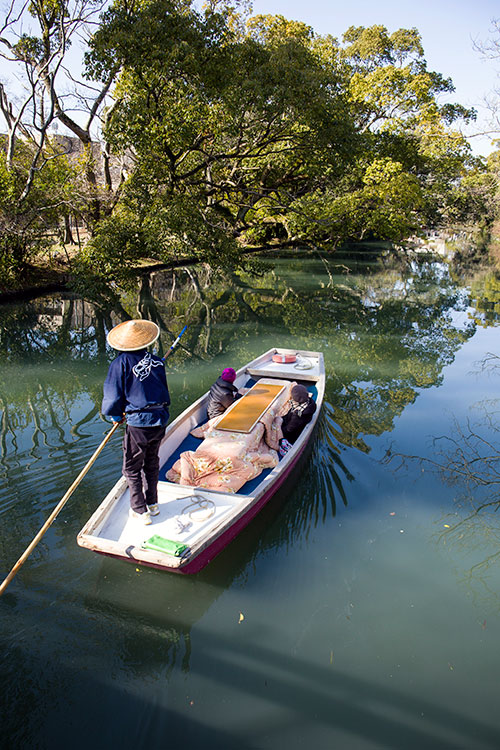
(270, 369)
(244, 414)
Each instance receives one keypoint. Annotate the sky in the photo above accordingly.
(448, 29)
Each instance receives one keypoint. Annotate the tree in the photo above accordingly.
(242, 131)
(395, 105)
(274, 134)
(475, 214)
(36, 42)
(28, 219)
(223, 124)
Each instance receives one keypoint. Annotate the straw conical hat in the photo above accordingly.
(133, 335)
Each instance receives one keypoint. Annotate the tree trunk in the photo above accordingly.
(68, 237)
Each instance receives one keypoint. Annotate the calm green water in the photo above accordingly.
(360, 610)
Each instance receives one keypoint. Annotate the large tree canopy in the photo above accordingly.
(243, 131)
(274, 134)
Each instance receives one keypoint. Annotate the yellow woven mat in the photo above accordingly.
(247, 411)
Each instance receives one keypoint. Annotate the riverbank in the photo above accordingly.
(37, 280)
(57, 275)
(42, 278)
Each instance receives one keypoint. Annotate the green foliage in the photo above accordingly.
(386, 205)
(29, 223)
(475, 213)
(247, 131)
(390, 84)
(227, 130)
(168, 231)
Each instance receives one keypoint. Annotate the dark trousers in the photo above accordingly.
(140, 455)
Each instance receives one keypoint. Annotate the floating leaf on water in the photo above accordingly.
(242, 617)
(446, 525)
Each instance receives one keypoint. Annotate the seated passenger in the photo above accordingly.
(302, 408)
(222, 394)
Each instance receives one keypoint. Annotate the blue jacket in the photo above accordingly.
(137, 386)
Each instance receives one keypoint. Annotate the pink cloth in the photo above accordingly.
(226, 460)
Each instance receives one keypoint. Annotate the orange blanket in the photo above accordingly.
(226, 460)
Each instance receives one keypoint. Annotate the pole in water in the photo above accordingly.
(60, 505)
(62, 502)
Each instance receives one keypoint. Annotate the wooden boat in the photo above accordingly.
(213, 518)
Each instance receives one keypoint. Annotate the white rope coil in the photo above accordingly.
(303, 363)
(197, 503)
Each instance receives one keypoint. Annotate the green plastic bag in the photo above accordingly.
(160, 544)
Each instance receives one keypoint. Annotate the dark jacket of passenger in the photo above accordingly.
(221, 395)
(293, 423)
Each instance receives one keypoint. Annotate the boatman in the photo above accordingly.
(136, 390)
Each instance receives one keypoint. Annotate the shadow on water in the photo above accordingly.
(71, 701)
(109, 668)
(179, 601)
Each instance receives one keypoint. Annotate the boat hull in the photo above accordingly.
(110, 533)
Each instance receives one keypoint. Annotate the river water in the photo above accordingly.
(360, 610)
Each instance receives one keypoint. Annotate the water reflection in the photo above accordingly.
(386, 334)
(465, 456)
(469, 460)
(485, 297)
(146, 656)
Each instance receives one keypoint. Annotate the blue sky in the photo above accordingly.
(448, 29)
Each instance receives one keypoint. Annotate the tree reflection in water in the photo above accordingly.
(468, 458)
(385, 333)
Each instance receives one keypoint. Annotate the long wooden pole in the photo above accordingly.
(62, 502)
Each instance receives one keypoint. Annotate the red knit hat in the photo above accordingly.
(229, 374)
